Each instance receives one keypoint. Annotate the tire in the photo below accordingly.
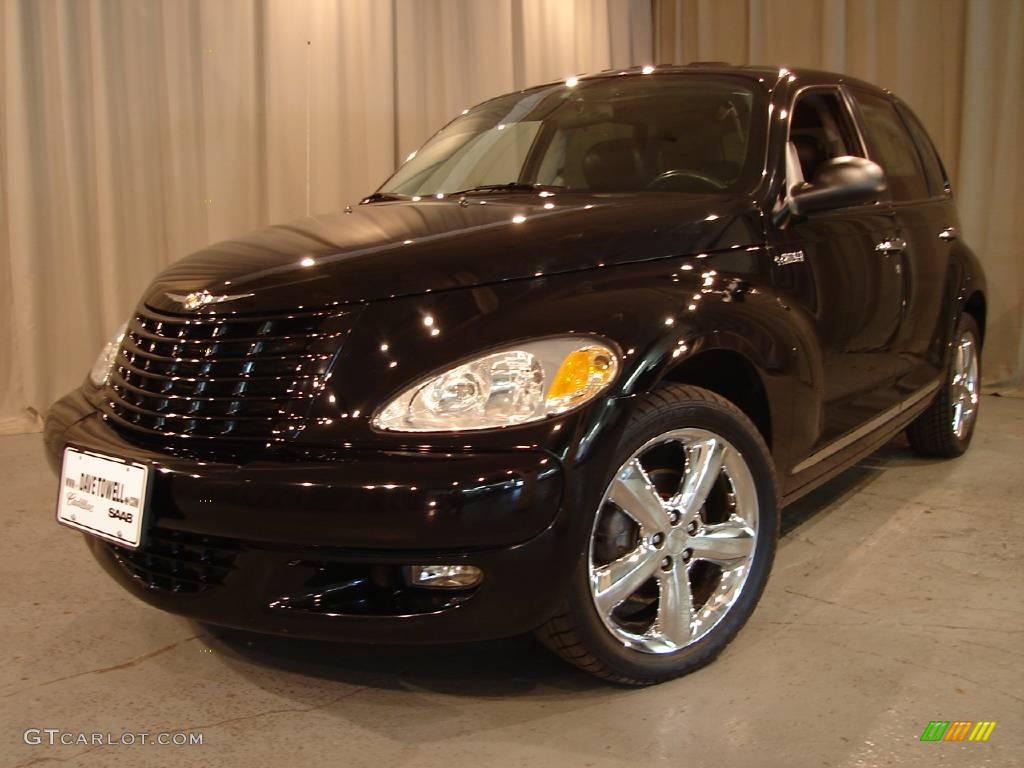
(717, 553)
(945, 428)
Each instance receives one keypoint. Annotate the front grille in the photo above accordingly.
(206, 376)
(175, 561)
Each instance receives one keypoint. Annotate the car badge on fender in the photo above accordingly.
(198, 299)
(792, 257)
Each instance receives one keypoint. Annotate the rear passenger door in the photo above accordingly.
(926, 218)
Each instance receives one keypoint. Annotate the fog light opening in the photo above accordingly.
(443, 576)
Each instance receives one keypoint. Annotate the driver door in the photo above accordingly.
(842, 268)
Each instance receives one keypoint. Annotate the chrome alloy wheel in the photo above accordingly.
(964, 384)
(673, 540)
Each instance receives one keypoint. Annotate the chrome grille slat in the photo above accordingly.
(126, 424)
(120, 382)
(122, 403)
(130, 347)
(141, 332)
(150, 374)
(254, 380)
(207, 318)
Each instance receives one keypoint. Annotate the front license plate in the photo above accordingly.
(103, 495)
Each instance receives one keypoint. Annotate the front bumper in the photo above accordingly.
(315, 548)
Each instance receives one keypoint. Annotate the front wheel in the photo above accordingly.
(680, 546)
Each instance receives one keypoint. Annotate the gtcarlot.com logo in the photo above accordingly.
(958, 730)
(53, 736)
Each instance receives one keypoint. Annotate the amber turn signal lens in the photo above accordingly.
(583, 373)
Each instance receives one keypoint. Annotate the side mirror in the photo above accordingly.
(840, 182)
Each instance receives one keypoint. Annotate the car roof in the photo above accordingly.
(772, 75)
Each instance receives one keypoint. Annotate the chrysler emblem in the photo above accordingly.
(198, 299)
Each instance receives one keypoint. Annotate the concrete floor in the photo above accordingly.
(896, 600)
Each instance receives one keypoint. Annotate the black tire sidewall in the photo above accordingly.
(723, 419)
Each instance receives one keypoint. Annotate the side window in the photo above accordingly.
(933, 170)
(891, 147)
(820, 129)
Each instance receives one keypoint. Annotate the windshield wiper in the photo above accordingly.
(383, 197)
(512, 186)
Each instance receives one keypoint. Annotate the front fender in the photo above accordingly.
(659, 313)
(741, 314)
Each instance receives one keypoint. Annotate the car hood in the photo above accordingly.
(390, 249)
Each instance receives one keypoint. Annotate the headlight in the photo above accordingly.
(100, 372)
(528, 382)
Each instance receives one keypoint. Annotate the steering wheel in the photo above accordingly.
(665, 179)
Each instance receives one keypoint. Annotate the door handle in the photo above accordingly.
(949, 233)
(891, 245)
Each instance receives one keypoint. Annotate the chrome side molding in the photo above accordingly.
(866, 428)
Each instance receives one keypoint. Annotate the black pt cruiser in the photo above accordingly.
(559, 374)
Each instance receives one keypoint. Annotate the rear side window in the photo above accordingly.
(891, 147)
(933, 170)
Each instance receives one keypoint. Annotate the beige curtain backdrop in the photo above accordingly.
(135, 131)
(958, 63)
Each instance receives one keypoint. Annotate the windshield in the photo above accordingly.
(662, 132)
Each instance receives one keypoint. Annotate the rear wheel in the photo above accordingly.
(680, 546)
(947, 425)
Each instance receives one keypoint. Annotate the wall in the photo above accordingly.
(135, 131)
(960, 66)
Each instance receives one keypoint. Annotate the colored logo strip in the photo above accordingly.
(982, 730)
(958, 730)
